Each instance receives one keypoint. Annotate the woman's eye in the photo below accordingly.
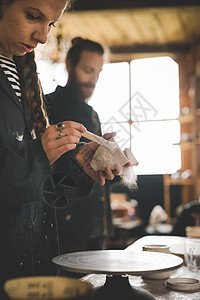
(32, 17)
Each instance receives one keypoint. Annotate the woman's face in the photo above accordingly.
(25, 23)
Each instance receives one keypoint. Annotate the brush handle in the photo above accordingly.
(98, 139)
(91, 136)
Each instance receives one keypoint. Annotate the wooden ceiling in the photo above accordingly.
(130, 27)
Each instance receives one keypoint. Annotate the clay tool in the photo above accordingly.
(98, 139)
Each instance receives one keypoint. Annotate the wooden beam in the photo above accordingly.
(79, 5)
(170, 48)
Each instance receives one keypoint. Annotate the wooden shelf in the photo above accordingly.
(197, 111)
(179, 181)
(189, 189)
(186, 145)
(186, 184)
(189, 118)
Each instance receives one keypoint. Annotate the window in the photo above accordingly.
(140, 101)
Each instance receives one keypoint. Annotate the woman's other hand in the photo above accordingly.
(84, 157)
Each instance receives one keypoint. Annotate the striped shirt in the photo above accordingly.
(9, 67)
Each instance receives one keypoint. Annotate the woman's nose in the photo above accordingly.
(41, 34)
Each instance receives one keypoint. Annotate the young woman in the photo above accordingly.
(31, 185)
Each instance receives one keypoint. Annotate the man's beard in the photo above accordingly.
(84, 93)
(78, 88)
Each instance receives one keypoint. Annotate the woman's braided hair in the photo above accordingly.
(31, 88)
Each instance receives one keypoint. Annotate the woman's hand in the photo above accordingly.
(84, 157)
(61, 138)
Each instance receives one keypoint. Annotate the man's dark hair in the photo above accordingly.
(79, 45)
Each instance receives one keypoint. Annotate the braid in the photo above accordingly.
(32, 90)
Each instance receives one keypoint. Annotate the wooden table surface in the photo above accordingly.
(157, 288)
